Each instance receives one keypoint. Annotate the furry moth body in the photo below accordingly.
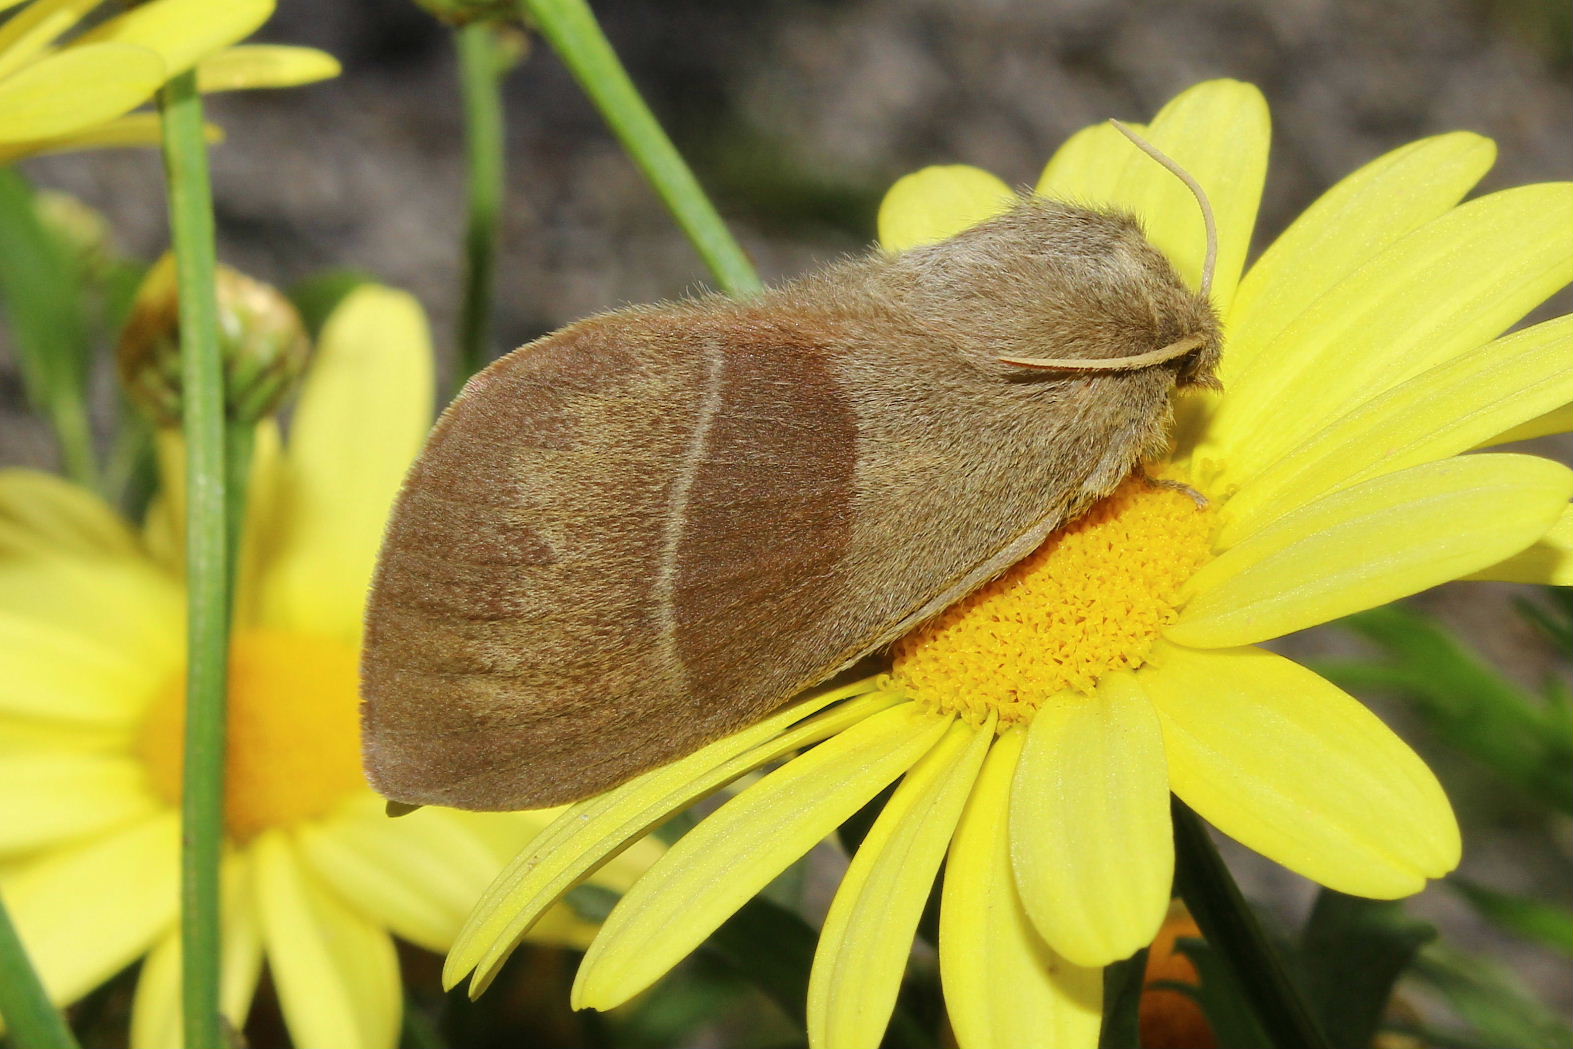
(646, 530)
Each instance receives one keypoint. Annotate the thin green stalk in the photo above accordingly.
(481, 67)
(68, 414)
(33, 1022)
(571, 29)
(1230, 928)
(207, 561)
(240, 438)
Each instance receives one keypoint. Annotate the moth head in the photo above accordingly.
(1194, 354)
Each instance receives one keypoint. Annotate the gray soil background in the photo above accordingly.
(797, 116)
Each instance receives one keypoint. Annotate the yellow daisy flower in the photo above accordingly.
(92, 704)
(1039, 727)
(77, 96)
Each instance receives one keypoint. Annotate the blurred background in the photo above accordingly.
(797, 115)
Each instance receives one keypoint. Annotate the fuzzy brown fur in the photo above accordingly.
(649, 529)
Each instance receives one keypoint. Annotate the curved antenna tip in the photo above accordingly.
(1195, 187)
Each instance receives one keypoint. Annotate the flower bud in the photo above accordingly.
(261, 339)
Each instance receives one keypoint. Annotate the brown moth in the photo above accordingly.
(652, 527)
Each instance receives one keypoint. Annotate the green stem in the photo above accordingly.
(34, 1022)
(239, 440)
(1230, 927)
(207, 561)
(68, 414)
(571, 29)
(481, 69)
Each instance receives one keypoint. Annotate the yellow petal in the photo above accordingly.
(32, 30)
(56, 674)
(1089, 823)
(419, 873)
(502, 834)
(928, 206)
(1003, 984)
(867, 935)
(133, 129)
(86, 913)
(155, 1012)
(1370, 544)
(64, 517)
(1449, 286)
(1088, 167)
(364, 411)
(264, 65)
(1549, 561)
(1218, 131)
(55, 798)
(1287, 764)
(741, 847)
(1349, 224)
(1557, 420)
(336, 973)
(593, 831)
(1446, 410)
(76, 88)
(183, 31)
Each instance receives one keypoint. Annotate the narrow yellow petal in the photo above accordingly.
(1088, 168)
(1349, 224)
(183, 31)
(1548, 562)
(53, 673)
(77, 933)
(741, 847)
(1285, 763)
(1446, 410)
(363, 412)
(336, 973)
(930, 205)
(133, 129)
(1447, 287)
(54, 798)
(1218, 131)
(264, 65)
(1003, 984)
(593, 832)
(155, 1011)
(1376, 542)
(1557, 420)
(419, 873)
(502, 834)
(66, 517)
(76, 88)
(867, 935)
(1090, 837)
(33, 29)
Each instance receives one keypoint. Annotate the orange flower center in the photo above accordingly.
(1093, 598)
(294, 733)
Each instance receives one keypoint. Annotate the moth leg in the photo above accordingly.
(1179, 486)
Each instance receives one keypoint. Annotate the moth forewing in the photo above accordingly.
(649, 529)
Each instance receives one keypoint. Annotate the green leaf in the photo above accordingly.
(1229, 1013)
(1545, 923)
(41, 288)
(1489, 998)
(318, 295)
(1122, 993)
(1352, 952)
(1469, 705)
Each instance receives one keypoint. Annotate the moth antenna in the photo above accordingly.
(1196, 190)
(1112, 364)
